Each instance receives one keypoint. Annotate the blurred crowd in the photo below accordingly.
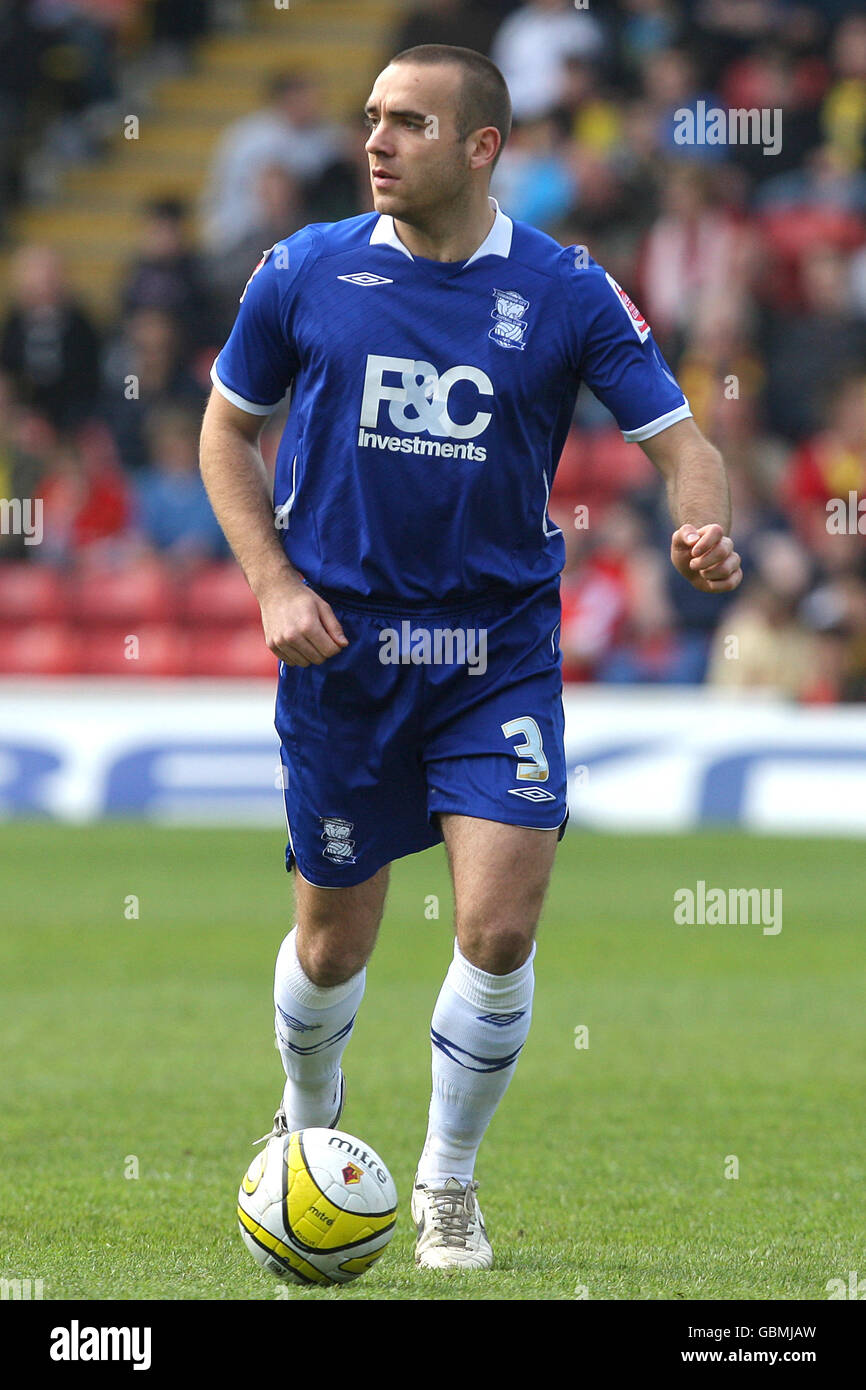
(60, 63)
(748, 260)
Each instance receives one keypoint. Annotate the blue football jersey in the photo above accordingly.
(430, 401)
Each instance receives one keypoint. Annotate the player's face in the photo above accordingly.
(416, 161)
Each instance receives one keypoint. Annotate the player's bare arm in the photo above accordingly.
(299, 626)
(700, 504)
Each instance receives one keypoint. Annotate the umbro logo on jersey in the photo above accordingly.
(363, 277)
(532, 793)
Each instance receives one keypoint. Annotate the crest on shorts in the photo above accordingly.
(509, 329)
(339, 846)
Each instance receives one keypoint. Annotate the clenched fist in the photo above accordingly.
(300, 627)
(706, 558)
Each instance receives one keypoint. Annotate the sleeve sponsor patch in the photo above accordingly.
(638, 322)
(256, 270)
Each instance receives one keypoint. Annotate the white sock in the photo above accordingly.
(313, 1025)
(480, 1024)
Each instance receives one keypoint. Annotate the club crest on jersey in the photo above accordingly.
(339, 848)
(508, 311)
(638, 322)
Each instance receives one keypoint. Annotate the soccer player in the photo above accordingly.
(408, 576)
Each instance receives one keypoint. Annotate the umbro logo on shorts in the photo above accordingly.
(363, 277)
(532, 793)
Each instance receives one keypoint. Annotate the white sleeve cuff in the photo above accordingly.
(249, 406)
(656, 426)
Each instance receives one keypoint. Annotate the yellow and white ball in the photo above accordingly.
(317, 1207)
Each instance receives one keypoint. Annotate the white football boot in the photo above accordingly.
(450, 1227)
(281, 1124)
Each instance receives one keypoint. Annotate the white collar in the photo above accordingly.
(496, 243)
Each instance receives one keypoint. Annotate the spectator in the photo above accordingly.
(534, 178)
(173, 511)
(725, 30)
(774, 79)
(751, 269)
(640, 29)
(17, 77)
(280, 211)
(825, 184)
(670, 85)
(463, 23)
(48, 345)
(695, 256)
(178, 23)
(77, 59)
(763, 643)
(720, 372)
(836, 612)
(592, 116)
(167, 274)
(607, 565)
(806, 352)
(146, 368)
(843, 115)
(290, 132)
(530, 49)
(86, 501)
(21, 466)
(829, 465)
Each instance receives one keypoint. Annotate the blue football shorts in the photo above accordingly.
(456, 711)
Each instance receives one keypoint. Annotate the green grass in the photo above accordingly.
(604, 1168)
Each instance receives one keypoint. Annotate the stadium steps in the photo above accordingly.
(92, 222)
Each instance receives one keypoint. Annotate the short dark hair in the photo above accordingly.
(484, 96)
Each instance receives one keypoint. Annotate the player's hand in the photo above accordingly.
(300, 627)
(705, 556)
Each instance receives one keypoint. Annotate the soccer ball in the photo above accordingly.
(316, 1207)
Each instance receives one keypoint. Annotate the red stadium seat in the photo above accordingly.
(241, 654)
(219, 594)
(109, 596)
(597, 467)
(31, 593)
(617, 465)
(149, 649)
(40, 649)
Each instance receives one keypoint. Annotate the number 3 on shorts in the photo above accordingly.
(535, 769)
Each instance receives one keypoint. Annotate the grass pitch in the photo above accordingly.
(143, 1045)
